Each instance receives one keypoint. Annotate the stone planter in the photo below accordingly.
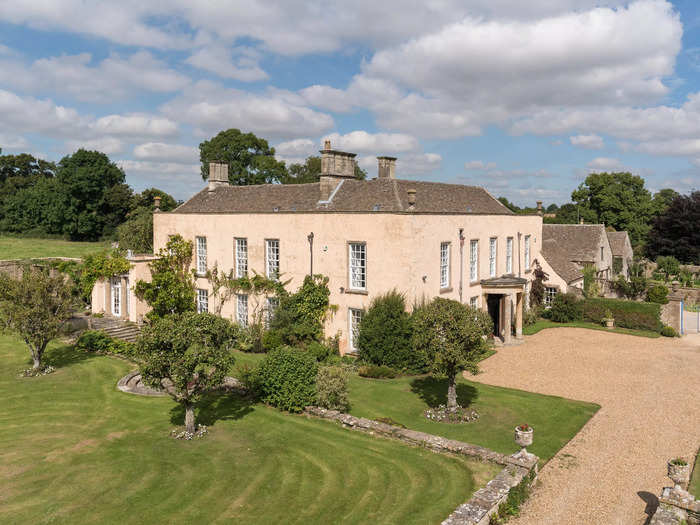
(679, 474)
(609, 323)
(523, 438)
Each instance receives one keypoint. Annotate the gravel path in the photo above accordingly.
(649, 392)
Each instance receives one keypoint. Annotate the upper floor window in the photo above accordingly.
(527, 252)
(358, 265)
(242, 309)
(201, 255)
(492, 256)
(272, 257)
(509, 255)
(354, 320)
(202, 301)
(444, 265)
(473, 260)
(241, 257)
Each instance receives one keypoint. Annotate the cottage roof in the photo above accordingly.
(564, 245)
(617, 242)
(376, 195)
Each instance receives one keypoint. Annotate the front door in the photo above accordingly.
(116, 296)
(493, 302)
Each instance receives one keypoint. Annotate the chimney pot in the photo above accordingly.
(580, 221)
(411, 198)
(156, 203)
(327, 145)
(386, 167)
(218, 175)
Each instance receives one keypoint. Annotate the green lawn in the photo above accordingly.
(694, 487)
(20, 248)
(545, 323)
(73, 449)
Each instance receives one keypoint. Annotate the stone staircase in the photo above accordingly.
(117, 328)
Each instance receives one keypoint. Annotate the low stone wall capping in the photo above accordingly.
(676, 507)
(485, 501)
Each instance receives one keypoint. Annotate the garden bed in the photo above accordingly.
(545, 323)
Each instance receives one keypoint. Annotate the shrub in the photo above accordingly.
(251, 338)
(321, 352)
(565, 308)
(627, 314)
(377, 372)
(288, 378)
(668, 331)
(531, 315)
(668, 265)
(385, 334)
(249, 376)
(657, 294)
(332, 388)
(546, 314)
(99, 341)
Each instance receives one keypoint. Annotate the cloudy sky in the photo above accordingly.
(524, 98)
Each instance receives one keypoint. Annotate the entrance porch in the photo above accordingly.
(503, 298)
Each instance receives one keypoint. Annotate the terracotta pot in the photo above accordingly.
(679, 474)
(523, 437)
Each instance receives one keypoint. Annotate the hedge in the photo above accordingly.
(627, 314)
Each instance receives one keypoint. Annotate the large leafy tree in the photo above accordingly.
(566, 214)
(18, 172)
(136, 233)
(35, 306)
(187, 355)
(676, 231)
(310, 171)
(250, 159)
(451, 336)
(145, 199)
(619, 200)
(171, 289)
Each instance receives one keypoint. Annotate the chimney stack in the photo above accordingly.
(411, 198)
(218, 175)
(386, 167)
(336, 166)
(156, 203)
(539, 208)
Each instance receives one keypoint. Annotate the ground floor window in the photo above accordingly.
(354, 319)
(272, 304)
(242, 309)
(549, 294)
(202, 301)
(474, 301)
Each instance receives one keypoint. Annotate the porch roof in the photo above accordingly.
(504, 281)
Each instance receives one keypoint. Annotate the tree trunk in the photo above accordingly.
(451, 393)
(189, 418)
(36, 357)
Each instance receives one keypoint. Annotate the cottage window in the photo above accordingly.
(242, 309)
(272, 256)
(474, 301)
(358, 265)
(444, 265)
(527, 252)
(202, 301)
(473, 260)
(272, 305)
(549, 294)
(241, 257)
(492, 256)
(509, 255)
(354, 319)
(201, 255)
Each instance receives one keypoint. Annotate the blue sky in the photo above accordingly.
(523, 98)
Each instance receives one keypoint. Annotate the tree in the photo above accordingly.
(136, 232)
(172, 287)
(675, 232)
(662, 200)
(668, 264)
(566, 214)
(619, 200)
(451, 336)
(250, 159)
(35, 306)
(145, 199)
(187, 355)
(310, 171)
(537, 287)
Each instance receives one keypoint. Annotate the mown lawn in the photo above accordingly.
(694, 487)
(20, 248)
(73, 449)
(545, 323)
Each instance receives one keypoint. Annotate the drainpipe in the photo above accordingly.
(310, 237)
(461, 261)
(520, 273)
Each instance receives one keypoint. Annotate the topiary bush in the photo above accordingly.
(332, 388)
(668, 331)
(385, 334)
(566, 307)
(657, 294)
(287, 379)
(627, 314)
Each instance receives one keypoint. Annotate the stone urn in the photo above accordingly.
(523, 437)
(609, 323)
(679, 472)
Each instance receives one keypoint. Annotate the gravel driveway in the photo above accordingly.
(649, 392)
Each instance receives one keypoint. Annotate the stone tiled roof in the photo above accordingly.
(377, 195)
(617, 242)
(565, 244)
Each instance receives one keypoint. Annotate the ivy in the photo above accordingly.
(96, 266)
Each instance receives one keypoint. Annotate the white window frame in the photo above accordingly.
(242, 309)
(445, 264)
(474, 301)
(354, 318)
(493, 250)
(527, 252)
(240, 247)
(474, 260)
(272, 304)
(201, 244)
(357, 266)
(550, 292)
(509, 255)
(202, 300)
(272, 258)
(116, 292)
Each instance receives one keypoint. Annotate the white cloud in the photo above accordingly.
(604, 164)
(107, 145)
(588, 141)
(171, 153)
(180, 180)
(479, 165)
(379, 143)
(10, 141)
(135, 125)
(219, 60)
